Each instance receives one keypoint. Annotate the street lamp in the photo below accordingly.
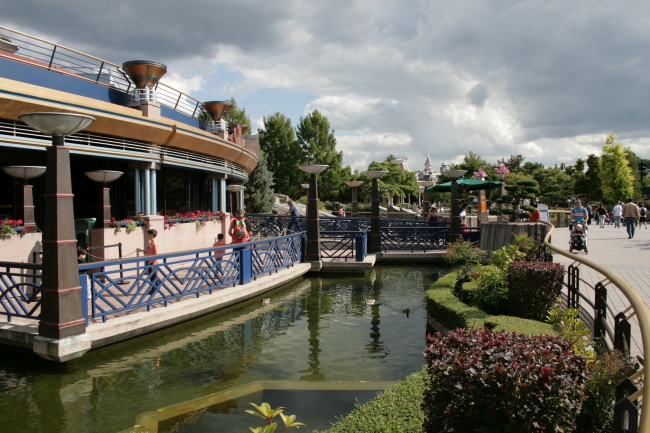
(354, 184)
(26, 172)
(425, 197)
(233, 189)
(312, 251)
(305, 185)
(454, 229)
(61, 315)
(103, 210)
(374, 246)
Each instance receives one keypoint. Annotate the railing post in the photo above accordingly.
(245, 265)
(360, 244)
(600, 312)
(303, 246)
(622, 334)
(626, 413)
(51, 58)
(83, 282)
(99, 74)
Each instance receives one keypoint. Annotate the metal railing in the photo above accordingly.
(611, 329)
(54, 57)
(351, 245)
(120, 286)
(85, 140)
(414, 238)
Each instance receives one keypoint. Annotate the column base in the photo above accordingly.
(64, 349)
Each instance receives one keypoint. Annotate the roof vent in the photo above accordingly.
(145, 75)
(217, 109)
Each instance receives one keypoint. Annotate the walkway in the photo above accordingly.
(611, 248)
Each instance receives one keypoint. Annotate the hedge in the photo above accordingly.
(445, 308)
(397, 409)
(533, 288)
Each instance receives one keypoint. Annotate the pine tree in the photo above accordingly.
(283, 154)
(592, 179)
(319, 147)
(615, 173)
(258, 195)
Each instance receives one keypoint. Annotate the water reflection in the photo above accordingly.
(316, 330)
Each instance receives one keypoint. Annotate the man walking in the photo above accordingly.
(579, 213)
(294, 226)
(617, 211)
(631, 214)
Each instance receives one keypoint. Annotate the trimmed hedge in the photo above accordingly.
(397, 409)
(533, 288)
(444, 307)
(492, 382)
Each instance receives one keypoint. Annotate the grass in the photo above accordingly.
(396, 410)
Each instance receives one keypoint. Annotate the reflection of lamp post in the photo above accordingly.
(61, 315)
(312, 252)
(425, 197)
(26, 172)
(374, 246)
(103, 210)
(354, 184)
(454, 228)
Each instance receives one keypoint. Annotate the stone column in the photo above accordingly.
(138, 191)
(312, 252)
(355, 203)
(222, 195)
(374, 246)
(147, 191)
(29, 222)
(154, 193)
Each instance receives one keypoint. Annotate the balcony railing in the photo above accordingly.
(54, 57)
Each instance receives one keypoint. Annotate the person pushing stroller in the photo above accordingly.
(578, 228)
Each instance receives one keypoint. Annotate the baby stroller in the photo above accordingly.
(578, 238)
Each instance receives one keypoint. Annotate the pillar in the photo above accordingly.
(312, 252)
(241, 199)
(454, 230)
(374, 245)
(214, 205)
(222, 195)
(29, 221)
(154, 193)
(146, 173)
(138, 191)
(103, 210)
(355, 203)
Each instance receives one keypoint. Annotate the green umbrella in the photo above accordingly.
(465, 185)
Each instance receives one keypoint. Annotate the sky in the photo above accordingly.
(545, 79)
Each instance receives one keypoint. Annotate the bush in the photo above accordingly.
(533, 287)
(605, 373)
(502, 257)
(464, 255)
(491, 293)
(397, 409)
(488, 382)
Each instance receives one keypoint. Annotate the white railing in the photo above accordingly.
(17, 130)
(143, 95)
(218, 126)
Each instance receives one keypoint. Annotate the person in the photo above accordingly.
(341, 211)
(643, 211)
(535, 215)
(432, 218)
(240, 228)
(81, 259)
(218, 242)
(463, 214)
(417, 211)
(631, 214)
(151, 250)
(579, 213)
(294, 226)
(617, 212)
(602, 214)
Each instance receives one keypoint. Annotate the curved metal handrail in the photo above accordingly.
(640, 310)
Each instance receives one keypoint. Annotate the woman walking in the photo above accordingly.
(601, 212)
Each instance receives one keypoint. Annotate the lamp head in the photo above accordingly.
(376, 174)
(314, 168)
(56, 123)
(354, 183)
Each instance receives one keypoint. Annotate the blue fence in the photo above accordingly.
(20, 286)
(344, 245)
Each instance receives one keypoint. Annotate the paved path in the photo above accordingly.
(628, 258)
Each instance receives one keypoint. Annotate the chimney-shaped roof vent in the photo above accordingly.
(143, 73)
(217, 109)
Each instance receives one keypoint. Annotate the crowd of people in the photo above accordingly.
(631, 214)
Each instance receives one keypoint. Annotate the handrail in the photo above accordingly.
(639, 307)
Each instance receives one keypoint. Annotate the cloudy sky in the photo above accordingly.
(547, 79)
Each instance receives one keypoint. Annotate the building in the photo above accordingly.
(177, 153)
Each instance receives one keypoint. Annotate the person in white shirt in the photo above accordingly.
(463, 214)
(618, 212)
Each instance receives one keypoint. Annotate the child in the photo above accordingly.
(220, 241)
(81, 259)
(151, 250)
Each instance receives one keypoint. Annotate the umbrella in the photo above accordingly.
(466, 185)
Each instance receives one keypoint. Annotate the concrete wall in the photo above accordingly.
(20, 249)
(495, 235)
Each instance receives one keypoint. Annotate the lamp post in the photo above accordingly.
(61, 315)
(103, 210)
(374, 246)
(354, 184)
(26, 172)
(454, 228)
(426, 205)
(232, 189)
(312, 251)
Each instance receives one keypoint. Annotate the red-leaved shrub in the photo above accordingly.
(489, 382)
(533, 288)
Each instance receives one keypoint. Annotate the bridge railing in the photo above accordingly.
(344, 245)
(119, 286)
(627, 330)
(419, 238)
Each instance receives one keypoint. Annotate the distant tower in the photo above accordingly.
(402, 163)
(427, 165)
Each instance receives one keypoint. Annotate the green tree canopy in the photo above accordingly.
(259, 195)
(238, 115)
(555, 186)
(319, 147)
(396, 183)
(514, 163)
(633, 161)
(283, 154)
(615, 173)
(529, 167)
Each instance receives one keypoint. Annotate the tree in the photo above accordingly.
(529, 167)
(319, 147)
(259, 195)
(514, 163)
(633, 161)
(472, 162)
(555, 186)
(615, 173)
(283, 154)
(238, 115)
(396, 183)
(581, 184)
(592, 179)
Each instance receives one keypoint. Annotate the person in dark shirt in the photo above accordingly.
(294, 225)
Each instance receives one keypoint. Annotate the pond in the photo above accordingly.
(315, 330)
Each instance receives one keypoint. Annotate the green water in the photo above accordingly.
(317, 329)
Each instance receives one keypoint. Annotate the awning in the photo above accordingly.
(466, 185)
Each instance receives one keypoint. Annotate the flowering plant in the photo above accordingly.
(8, 228)
(200, 217)
(130, 226)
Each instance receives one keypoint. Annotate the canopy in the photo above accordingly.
(466, 185)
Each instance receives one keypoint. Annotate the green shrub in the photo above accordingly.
(533, 287)
(517, 324)
(502, 257)
(397, 409)
(487, 382)
(605, 373)
(465, 255)
(495, 211)
(527, 245)
(491, 293)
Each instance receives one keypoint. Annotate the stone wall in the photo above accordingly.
(21, 249)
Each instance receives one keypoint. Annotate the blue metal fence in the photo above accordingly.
(344, 245)
(414, 238)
